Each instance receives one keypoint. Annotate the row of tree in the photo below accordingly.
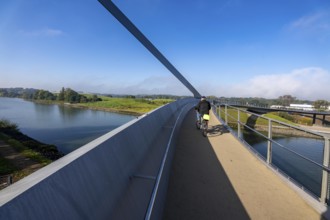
(71, 96)
(65, 95)
(284, 100)
(321, 104)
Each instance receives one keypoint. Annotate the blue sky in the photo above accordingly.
(232, 48)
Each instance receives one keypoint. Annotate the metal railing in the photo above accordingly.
(166, 159)
(266, 106)
(233, 118)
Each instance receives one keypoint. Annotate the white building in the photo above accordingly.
(277, 106)
(304, 107)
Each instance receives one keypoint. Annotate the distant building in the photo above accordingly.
(304, 107)
(327, 108)
(277, 106)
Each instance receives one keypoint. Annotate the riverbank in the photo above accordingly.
(21, 155)
(318, 129)
(127, 106)
(14, 165)
(113, 110)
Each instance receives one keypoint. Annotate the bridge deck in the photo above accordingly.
(217, 178)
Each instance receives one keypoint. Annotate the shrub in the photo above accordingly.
(4, 123)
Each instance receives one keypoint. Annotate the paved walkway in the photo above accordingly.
(217, 178)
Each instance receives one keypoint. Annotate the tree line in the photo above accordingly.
(65, 95)
(284, 100)
(71, 96)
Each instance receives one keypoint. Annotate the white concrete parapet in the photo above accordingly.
(111, 177)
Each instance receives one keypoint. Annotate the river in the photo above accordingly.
(66, 127)
(297, 165)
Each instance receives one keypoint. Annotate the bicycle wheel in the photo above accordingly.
(204, 128)
(198, 124)
(204, 132)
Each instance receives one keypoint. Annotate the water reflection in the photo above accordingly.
(67, 128)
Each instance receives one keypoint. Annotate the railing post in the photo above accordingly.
(226, 112)
(325, 174)
(269, 143)
(238, 124)
(10, 180)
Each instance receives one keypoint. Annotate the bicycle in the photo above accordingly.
(202, 124)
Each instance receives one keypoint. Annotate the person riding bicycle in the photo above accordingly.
(203, 107)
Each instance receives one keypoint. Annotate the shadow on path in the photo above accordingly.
(199, 187)
(216, 130)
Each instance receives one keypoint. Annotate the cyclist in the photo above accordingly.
(203, 107)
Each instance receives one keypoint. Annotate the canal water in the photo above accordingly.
(293, 156)
(66, 127)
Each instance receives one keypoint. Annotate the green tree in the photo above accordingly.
(286, 100)
(321, 104)
(60, 96)
(95, 98)
(27, 95)
(43, 95)
(83, 99)
(71, 96)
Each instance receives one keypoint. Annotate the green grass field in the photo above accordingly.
(126, 105)
(260, 121)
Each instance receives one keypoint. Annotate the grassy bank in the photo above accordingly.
(21, 155)
(136, 106)
(246, 118)
(133, 106)
(261, 124)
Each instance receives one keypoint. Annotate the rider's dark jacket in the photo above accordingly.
(203, 107)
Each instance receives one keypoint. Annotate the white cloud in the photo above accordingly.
(46, 32)
(307, 21)
(307, 83)
(317, 24)
(153, 85)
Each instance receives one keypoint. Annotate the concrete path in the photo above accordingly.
(217, 178)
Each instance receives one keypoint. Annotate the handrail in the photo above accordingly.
(288, 125)
(161, 169)
(282, 123)
(232, 103)
(325, 166)
(303, 157)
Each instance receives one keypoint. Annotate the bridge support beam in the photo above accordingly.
(314, 119)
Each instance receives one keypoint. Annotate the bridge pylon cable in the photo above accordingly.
(121, 17)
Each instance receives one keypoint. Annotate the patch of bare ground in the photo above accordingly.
(24, 165)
